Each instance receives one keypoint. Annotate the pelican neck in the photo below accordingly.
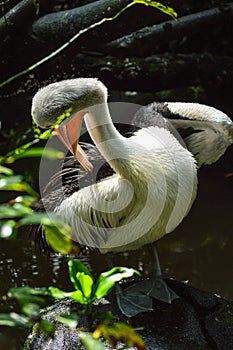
(99, 124)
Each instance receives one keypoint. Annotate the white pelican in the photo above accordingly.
(151, 176)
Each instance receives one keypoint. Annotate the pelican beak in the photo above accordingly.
(69, 135)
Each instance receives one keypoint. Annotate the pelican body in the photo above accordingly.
(155, 179)
(152, 181)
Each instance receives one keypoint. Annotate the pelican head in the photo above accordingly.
(72, 98)
(50, 102)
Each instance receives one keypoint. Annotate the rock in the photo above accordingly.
(197, 321)
(219, 326)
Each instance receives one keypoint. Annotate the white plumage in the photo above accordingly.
(155, 176)
(152, 192)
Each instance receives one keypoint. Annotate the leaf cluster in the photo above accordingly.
(20, 209)
(87, 291)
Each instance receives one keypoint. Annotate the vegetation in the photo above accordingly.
(18, 212)
(87, 291)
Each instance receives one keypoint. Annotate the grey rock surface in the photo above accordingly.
(196, 321)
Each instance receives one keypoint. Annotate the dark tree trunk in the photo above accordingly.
(137, 52)
(23, 12)
(144, 41)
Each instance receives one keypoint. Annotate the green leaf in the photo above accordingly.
(37, 6)
(76, 266)
(79, 297)
(14, 320)
(7, 181)
(6, 171)
(70, 320)
(8, 228)
(59, 241)
(107, 280)
(16, 183)
(39, 219)
(27, 294)
(57, 293)
(56, 231)
(45, 326)
(119, 332)
(46, 219)
(22, 208)
(90, 342)
(31, 310)
(83, 281)
(166, 9)
(15, 211)
(46, 152)
(86, 284)
(17, 153)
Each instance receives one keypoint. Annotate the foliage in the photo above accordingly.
(87, 290)
(119, 332)
(31, 300)
(20, 209)
(115, 334)
(166, 9)
(46, 134)
(29, 151)
(36, 3)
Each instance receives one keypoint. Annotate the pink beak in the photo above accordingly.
(69, 135)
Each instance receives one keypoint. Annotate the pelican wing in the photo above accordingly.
(205, 140)
(206, 131)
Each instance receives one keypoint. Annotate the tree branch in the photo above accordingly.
(143, 41)
(20, 14)
(152, 74)
(56, 28)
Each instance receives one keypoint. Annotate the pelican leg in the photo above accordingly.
(156, 287)
(110, 259)
(130, 303)
(139, 297)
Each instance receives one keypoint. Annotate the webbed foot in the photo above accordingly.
(139, 297)
(131, 302)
